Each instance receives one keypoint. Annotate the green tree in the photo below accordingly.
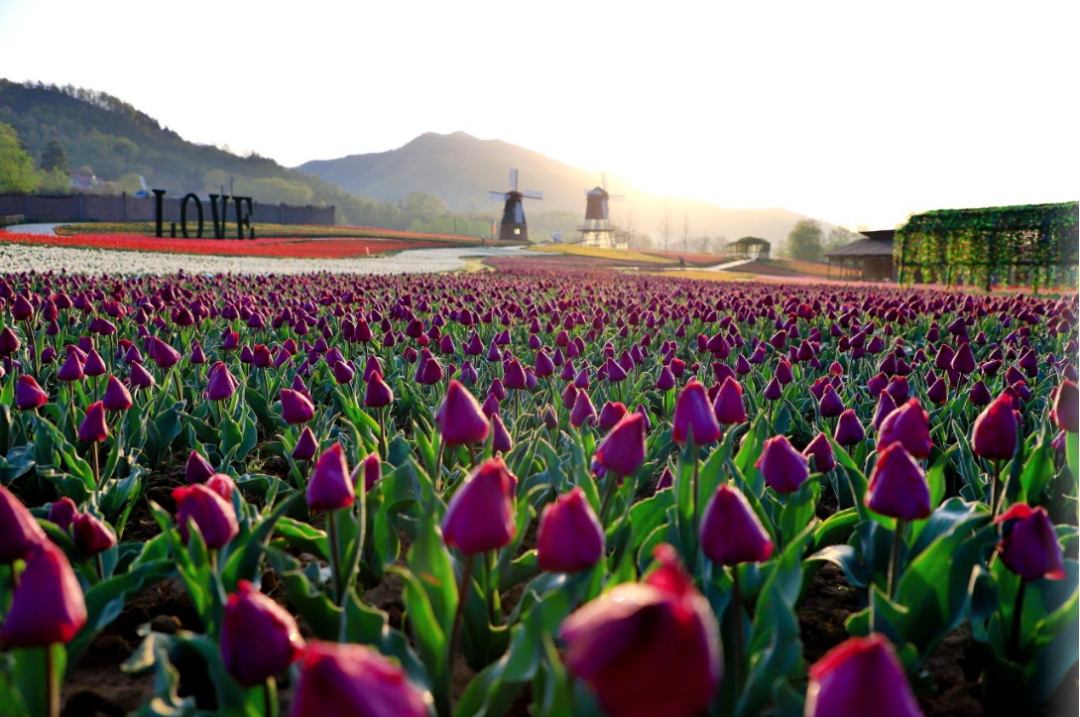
(55, 182)
(55, 157)
(838, 237)
(17, 172)
(804, 241)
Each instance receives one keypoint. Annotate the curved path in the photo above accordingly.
(18, 258)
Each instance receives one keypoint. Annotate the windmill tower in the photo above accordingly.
(598, 229)
(513, 227)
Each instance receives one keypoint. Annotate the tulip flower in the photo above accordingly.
(849, 431)
(296, 408)
(93, 429)
(212, 515)
(20, 534)
(378, 394)
(372, 470)
(583, 411)
(731, 532)
(460, 418)
(341, 679)
(47, 605)
(259, 638)
(1029, 545)
(821, 451)
(330, 487)
(92, 535)
(910, 425)
(62, 513)
(830, 405)
(570, 538)
(728, 406)
(623, 449)
(860, 677)
(501, 441)
(897, 486)
(994, 434)
(783, 468)
(306, 445)
(611, 414)
(28, 394)
(221, 384)
(222, 484)
(480, 516)
(1066, 407)
(197, 469)
(117, 397)
(649, 648)
(694, 417)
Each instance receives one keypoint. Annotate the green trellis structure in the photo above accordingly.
(1033, 244)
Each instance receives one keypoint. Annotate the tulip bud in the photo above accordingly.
(1066, 410)
(214, 517)
(897, 486)
(623, 449)
(330, 486)
(783, 468)
(728, 406)
(459, 417)
(731, 532)
(910, 425)
(860, 677)
(501, 441)
(649, 648)
(259, 638)
(343, 679)
(296, 408)
(62, 513)
(47, 605)
(830, 405)
(849, 431)
(197, 469)
(1029, 545)
(223, 485)
(570, 538)
(611, 414)
(306, 445)
(583, 411)
(28, 394)
(994, 435)
(694, 416)
(222, 384)
(93, 428)
(117, 397)
(372, 467)
(821, 451)
(93, 536)
(20, 533)
(480, 516)
(378, 394)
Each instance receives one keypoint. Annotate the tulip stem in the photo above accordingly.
(179, 387)
(1013, 650)
(894, 556)
(52, 685)
(455, 630)
(335, 577)
(97, 470)
(609, 492)
(737, 628)
(270, 698)
(438, 465)
(994, 479)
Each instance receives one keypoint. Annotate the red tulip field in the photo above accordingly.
(532, 491)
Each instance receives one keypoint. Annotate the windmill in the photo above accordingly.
(598, 230)
(513, 227)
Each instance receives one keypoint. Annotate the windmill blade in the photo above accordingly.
(531, 194)
(603, 180)
(513, 180)
(498, 196)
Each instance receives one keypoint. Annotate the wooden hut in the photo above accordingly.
(869, 259)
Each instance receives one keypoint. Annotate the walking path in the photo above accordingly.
(725, 266)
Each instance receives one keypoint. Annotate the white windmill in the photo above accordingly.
(598, 229)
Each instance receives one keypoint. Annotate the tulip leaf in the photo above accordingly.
(1072, 453)
(846, 558)
(319, 613)
(1038, 472)
(368, 625)
(29, 670)
(836, 529)
(304, 537)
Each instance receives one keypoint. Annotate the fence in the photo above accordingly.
(124, 208)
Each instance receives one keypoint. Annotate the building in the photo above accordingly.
(749, 248)
(869, 259)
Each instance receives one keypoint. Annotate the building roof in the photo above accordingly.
(880, 234)
(865, 247)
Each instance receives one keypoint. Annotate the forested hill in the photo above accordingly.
(107, 137)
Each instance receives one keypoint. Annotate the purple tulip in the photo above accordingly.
(611, 414)
(330, 486)
(583, 411)
(910, 425)
(821, 451)
(994, 435)
(570, 538)
(650, 648)
(860, 677)
(460, 418)
(830, 405)
(92, 535)
(306, 445)
(93, 429)
(28, 394)
(623, 449)
(378, 394)
(259, 638)
(1029, 545)
(897, 487)
(197, 469)
(47, 606)
(63, 512)
(214, 517)
(117, 397)
(783, 468)
(694, 417)
(849, 431)
(728, 406)
(296, 408)
(731, 532)
(480, 516)
(339, 680)
(20, 534)
(501, 442)
(221, 384)
(1066, 407)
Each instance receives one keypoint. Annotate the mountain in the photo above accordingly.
(461, 169)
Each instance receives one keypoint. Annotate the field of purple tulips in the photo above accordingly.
(531, 492)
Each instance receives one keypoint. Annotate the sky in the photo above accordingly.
(856, 113)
